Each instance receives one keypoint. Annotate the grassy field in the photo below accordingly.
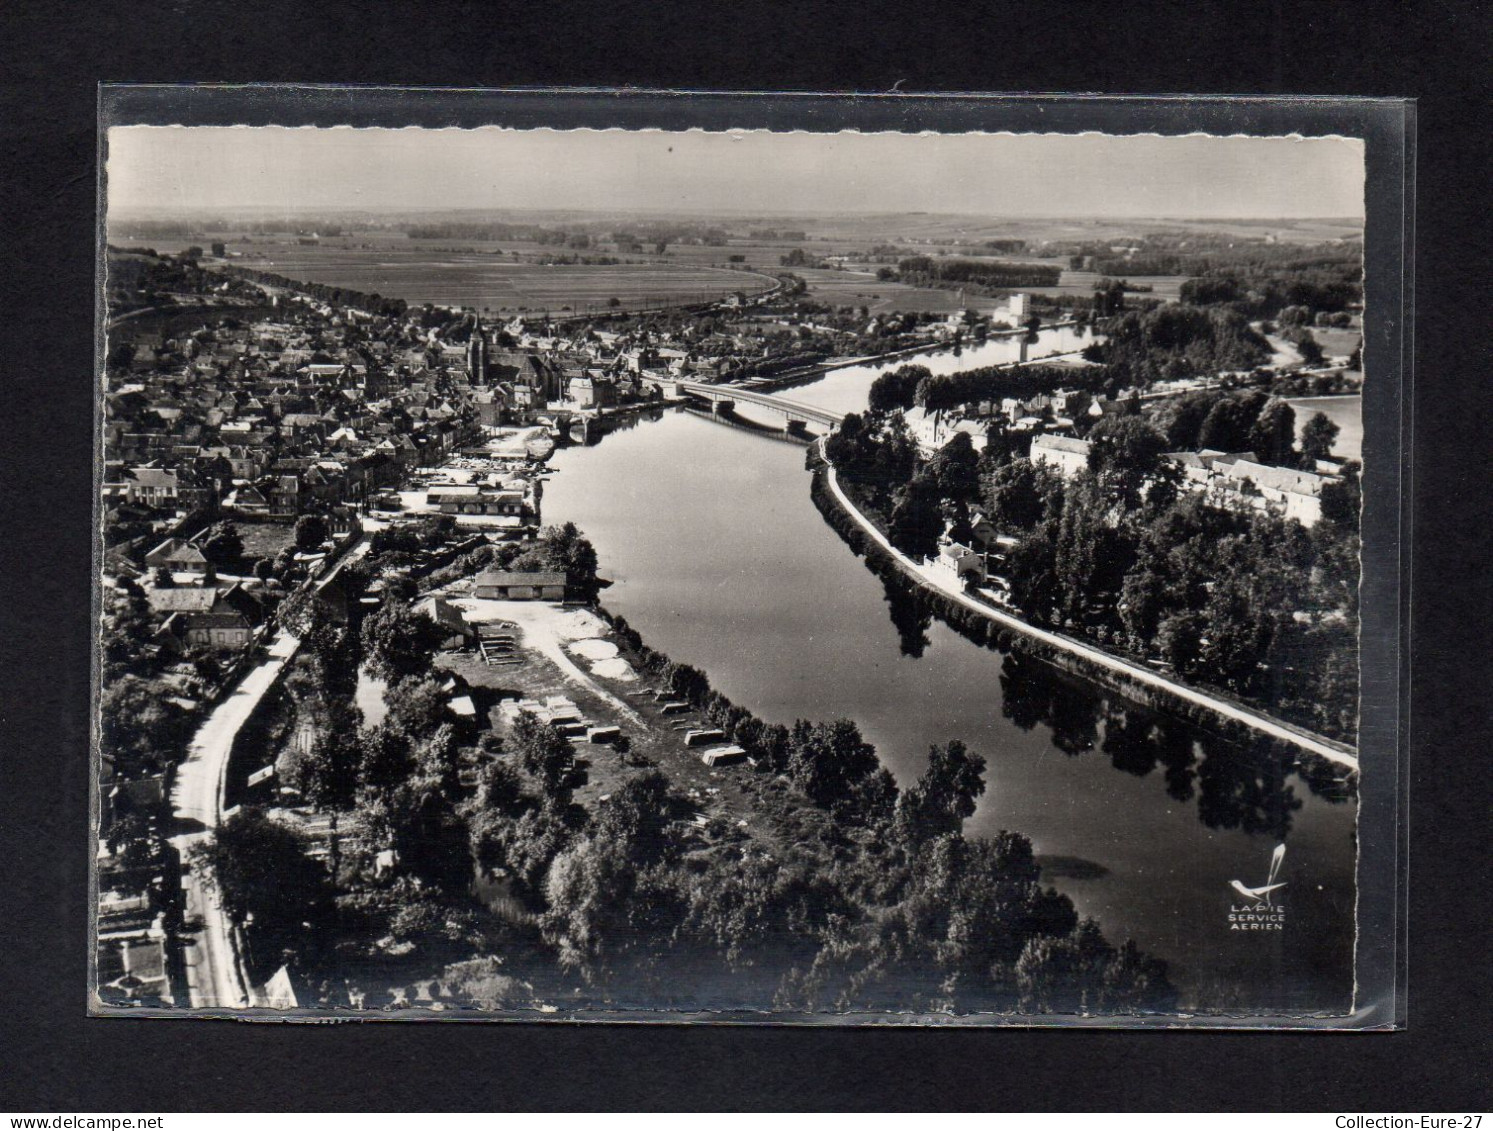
(1337, 342)
(1167, 288)
(264, 539)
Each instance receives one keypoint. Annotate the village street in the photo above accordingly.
(214, 973)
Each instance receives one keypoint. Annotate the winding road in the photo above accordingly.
(214, 968)
(215, 972)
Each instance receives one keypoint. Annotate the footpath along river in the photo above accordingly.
(722, 561)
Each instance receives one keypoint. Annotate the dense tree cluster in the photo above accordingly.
(1178, 341)
(911, 386)
(976, 274)
(1235, 598)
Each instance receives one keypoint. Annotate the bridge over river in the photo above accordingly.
(724, 398)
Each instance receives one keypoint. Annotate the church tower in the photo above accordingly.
(477, 354)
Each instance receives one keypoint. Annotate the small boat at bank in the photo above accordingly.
(541, 447)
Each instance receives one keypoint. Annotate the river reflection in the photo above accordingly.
(721, 560)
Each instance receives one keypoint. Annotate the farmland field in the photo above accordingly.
(485, 282)
(488, 279)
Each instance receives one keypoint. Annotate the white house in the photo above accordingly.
(1066, 454)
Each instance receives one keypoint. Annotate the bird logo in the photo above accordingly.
(1262, 894)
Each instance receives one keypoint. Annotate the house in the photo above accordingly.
(491, 405)
(133, 968)
(163, 555)
(458, 632)
(984, 533)
(1295, 494)
(591, 391)
(193, 599)
(177, 557)
(247, 499)
(1067, 455)
(205, 630)
(506, 585)
(961, 561)
(153, 486)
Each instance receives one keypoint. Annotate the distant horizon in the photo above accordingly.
(301, 171)
(143, 211)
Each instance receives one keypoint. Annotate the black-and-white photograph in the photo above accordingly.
(729, 574)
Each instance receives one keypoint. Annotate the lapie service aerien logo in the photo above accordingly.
(1258, 909)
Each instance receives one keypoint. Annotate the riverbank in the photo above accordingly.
(813, 372)
(1149, 687)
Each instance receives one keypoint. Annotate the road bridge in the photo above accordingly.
(723, 399)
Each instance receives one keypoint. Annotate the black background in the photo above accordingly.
(53, 1058)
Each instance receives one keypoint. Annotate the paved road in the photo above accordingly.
(1253, 719)
(215, 975)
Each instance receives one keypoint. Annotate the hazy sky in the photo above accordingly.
(174, 168)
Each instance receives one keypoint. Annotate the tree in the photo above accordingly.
(399, 642)
(1031, 569)
(590, 892)
(955, 468)
(895, 388)
(1185, 423)
(131, 841)
(223, 546)
(1179, 640)
(1342, 499)
(140, 728)
(310, 532)
(639, 815)
(1019, 494)
(420, 824)
(417, 707)
(545, 755)
(916, 520)
(1309, 348)
(1228, 424)
(1124, 453)
(261, 868)
(568, 551)
(1317, 438)
(827, 760)
(1272, 437)
(944, 796)
(160, 578)
(206, 664)
(500, 789)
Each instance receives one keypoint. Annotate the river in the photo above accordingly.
(722, 561)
